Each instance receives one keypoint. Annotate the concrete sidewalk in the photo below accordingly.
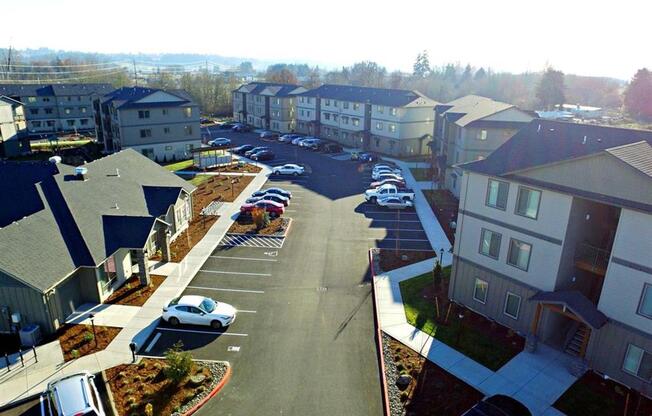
(33, 378)
(535, 379)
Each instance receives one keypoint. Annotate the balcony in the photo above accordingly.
(592, 259)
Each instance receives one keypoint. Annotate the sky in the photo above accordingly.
(600, 38)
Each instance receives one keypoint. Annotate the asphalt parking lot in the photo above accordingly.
(303, 340)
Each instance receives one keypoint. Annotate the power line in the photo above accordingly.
(37, 65)
(113, 68)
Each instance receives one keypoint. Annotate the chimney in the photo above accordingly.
(81, 173)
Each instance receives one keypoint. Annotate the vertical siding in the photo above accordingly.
(24, 300)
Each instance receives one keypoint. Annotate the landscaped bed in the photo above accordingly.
(422, 174)
(392, 259)
(426, 389)
(592, 395)
(484, 341)
(134, 386)
(245, 225)
(132, 293)
(444, 205)
(78, 340)
(231, 168)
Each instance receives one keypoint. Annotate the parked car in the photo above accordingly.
(364, 157)
(73, 395)
(269, 197)
(198, 310)
(297, 140)
(288, 169)
(221, 141)
(498, 405)
(287, 138)
(241, 128)
(256, 149)
(226, 126)
(383, 176)
(277, 191)
(385, 164)
(314, 144)
(263, 155)
(376, 174)
(332, 148)
(388, 190)
(240, 150)
(393, 202)
(274, 209)
(398, 182)
(268, 135)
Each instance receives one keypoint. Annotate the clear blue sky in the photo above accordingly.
(586, 37)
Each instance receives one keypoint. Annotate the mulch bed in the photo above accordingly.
(72, 338)
(432, 391)
(185, 241)
(245, 225)
(132, 293)
(391, 259)
(444, 205)
(246, 168)
(133, 386)
(592, 395)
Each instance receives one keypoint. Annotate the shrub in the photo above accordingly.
(260, 217)
(75, 353)
(179, 363)
(437, 275)
(404, 397)
(88, 336)
(149, 409)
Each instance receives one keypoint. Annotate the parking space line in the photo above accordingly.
(245, 311)
(399, 229)
(399, 239)
(393, 220)
(242, 273)
(221, 289)
(389, 212)
(290, 210)
(151, 344)
(194, 331)
(241, 258)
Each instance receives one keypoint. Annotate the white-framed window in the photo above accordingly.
(638, 362)
(334, 103)
(527, 202)
(308, 113)
(187, 130)
(187, 112)
(168, 148)
(497, 192)
(301, 100)
(356, 106)
(302, 113)
(144, 133)
(309, 100)
(355, 121)
(277, 101)
(31, 99)
(327, 116)
(512, 305)
(164, 111)
(345, 105)
(67, 110)
(482, 135)
(490, 243)
(327, 103)
(392, 111)
(380, 109)
(82, 110)
(480, 289)
(519, 254)
(345, 120)
(391, 128)
(334, 117)
(645, 304)
(143, 113)
(379, 125)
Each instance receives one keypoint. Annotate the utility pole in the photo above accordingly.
(135, 73)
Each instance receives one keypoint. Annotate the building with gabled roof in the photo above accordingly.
(267, 105)
(13, 129)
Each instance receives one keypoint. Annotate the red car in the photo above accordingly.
(273, 208)
(399, 183)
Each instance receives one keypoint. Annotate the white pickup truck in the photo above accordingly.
(388, 190)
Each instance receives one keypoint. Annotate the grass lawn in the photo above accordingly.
(420, 312)
(184, 164)
(199, 179)
(421, 174)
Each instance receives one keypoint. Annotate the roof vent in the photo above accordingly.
(81, 173)
(117, 172)
(115, 206)
(55, 159)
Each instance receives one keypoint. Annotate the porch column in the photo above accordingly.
(532, 339)
(143, 272)
(537, 318)
(165, 245)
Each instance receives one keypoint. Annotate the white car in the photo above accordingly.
(287, 138)
(394, 203)
(73, 395)
(198, 310)
(221, 141)
(378, 173)
(288, 169)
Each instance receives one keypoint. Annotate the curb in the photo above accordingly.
(213, 392)
(379, 339)
(284, 235)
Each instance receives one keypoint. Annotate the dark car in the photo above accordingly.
(263, 155)
(277, 191)
(226, 126)
(332, 148)
(256, 149)
(240, 150)
(270, 135)
(498, 405)
(273, 208)
(240, 128)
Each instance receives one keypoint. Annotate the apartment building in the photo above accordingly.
(56, 108)
(267, 105)
(554, 241)
(13, 137)
(389, 121)
(470, 128)
(162, 125)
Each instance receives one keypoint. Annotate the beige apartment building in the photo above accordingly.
(13, 137)
(264, 105)
(554, 241)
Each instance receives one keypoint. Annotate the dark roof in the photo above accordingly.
(128, 97)
(577, 303)
(31, 90)
(543, 142)
(379, 96)
(62, 225)
(125, 232)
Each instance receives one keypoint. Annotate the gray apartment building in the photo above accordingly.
(267, 105)
(13, 131)
(56, 108)
(470, 128)
(162, 125)
(69, 236)
(554, 236)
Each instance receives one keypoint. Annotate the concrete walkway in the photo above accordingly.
(103, 314)
(535, 379)
(33, 378)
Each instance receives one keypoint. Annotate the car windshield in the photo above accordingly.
(208, 305)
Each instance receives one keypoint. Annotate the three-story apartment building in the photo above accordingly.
(554, 241)
(267, 105)
(162, 125)
(13, 138)
(470, 128)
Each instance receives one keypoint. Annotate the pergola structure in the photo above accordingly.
(208, 157)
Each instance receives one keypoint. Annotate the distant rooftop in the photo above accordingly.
(379, 96)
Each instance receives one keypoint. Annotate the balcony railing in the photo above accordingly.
(591, 258)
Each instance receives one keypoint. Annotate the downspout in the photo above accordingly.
(459, 232)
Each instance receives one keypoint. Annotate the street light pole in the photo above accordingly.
(92, 317)
(441, 257)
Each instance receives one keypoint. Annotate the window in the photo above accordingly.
(345, 120)
(519, 254)
(302, 113)
(355, 121)
(356, 106)
(645, 305)
(46, 99)
(638, 362)
(380, 109)
(36, 124)
(31, 99)
(83, 121)
(33, 111)
(164, 111)
(308, 113)
(345, 105)
(482, 135)
(301, 99)
(512, 305)
(309, 100)
(490, 243)
(50, 123)
(334, 117)
(527, 203)
(68, 110)
(82, 110)
(166, 130)
(379, 126)
(336, 133)
(187, 112)
(189, 147)
(345, 135)
(187, 130)
(145, 133)
(328, 102)
(392, 111)
(497, 192)
(48, 110)
(168, 148)
(480, 290)
(391, 128)
(327, 116)
(377, 140)
(277, 101)
(334, 103)
(70, 123)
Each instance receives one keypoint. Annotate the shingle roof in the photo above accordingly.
(24, 90)
(128, 97)
(577, 303)
(637, 155)
(67, 226)
(379, 96)
(470, 108)
(258, 87)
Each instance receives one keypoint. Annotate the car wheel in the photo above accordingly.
(215, 324)
(296, 173)
(173, 321)
(373, 199)
(275, 172)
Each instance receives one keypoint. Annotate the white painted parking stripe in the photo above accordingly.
(194, 331)
(290, 210)
(242, 273)
(389, 212)
(241, 258)
(399, 229)
(151, 344)
(245, 311)
(399, 239)
(221, 289)
(393, 220)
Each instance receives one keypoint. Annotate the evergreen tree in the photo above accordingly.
(421, 67)
(480, 74)
(550, 90)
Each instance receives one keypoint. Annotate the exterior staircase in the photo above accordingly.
(574, 345)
